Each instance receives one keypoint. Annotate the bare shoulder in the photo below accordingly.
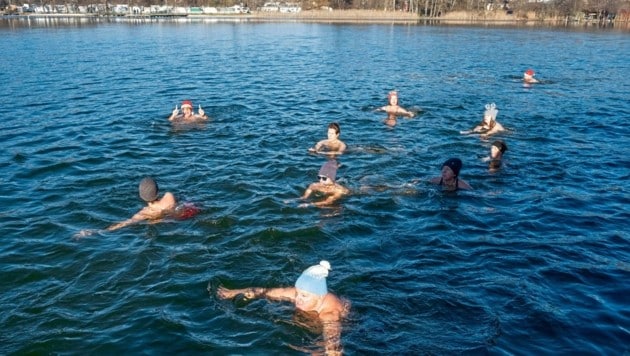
(168, 201)
(435, 180)
(462, 184)
(333, 308)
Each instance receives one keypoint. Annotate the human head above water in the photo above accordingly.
(148, 189)
(455, 164)
(313, 279)
(187, 104)
(392, 97)
(500, 145)
(329, 169)
(530, 73)
(335, 126)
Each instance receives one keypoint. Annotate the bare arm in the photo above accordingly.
(461, 184)
(174, 114)
(332, 337)
(405, 112)
(307, 193)
(134, 219)
(333, 197)
(280, 294)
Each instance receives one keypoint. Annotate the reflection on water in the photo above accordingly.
(538, 249)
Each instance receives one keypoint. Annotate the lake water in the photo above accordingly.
(534, 260)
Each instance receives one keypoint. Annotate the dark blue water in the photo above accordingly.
(534, 260)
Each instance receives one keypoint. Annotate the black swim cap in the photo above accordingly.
(148, 189)
(455, 164)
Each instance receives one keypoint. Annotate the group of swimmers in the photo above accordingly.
(310, 294)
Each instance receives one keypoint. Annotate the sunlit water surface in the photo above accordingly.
(534, 260)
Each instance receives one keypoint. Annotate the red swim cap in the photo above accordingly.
(530, 72)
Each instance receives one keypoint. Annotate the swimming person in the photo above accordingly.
(528, 77)
(333, 144)
(489, 125)
(497, 150)
(326, 186)
(309, 295)
(449, 180)
(155, 210)
(187, 115)
(394, 110)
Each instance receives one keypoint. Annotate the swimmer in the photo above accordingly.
(187, 115)
(333, 144)
(497, 150)
(310, 296)
(489, 124)
(155, 210)
(528, 77)
(449, 180)
(394, 110)
(325, 186)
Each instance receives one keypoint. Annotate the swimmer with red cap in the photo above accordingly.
(188, 114)
(528, 77)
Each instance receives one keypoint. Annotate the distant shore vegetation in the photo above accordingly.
(596, 11)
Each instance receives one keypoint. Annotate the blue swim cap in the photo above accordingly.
(313, 279)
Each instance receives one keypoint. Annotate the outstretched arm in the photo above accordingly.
(134, 219)
(282, 294)
(404, 112)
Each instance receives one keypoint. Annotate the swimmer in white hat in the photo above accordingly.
(310, 295)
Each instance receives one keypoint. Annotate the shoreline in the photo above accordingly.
(497, 17)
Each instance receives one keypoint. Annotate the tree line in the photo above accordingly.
(599, 9)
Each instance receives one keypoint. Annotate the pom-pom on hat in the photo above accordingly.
(500, 145)
(455, 164)
(148, 189)
(313, 279)
(187, 103)
(530, 72)
(329, 169)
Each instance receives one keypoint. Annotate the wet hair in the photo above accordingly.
(455, 164)
(500, 145)
(335, 126)
(148, 189)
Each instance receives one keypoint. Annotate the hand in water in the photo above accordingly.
(83, 233)
(225, 293)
